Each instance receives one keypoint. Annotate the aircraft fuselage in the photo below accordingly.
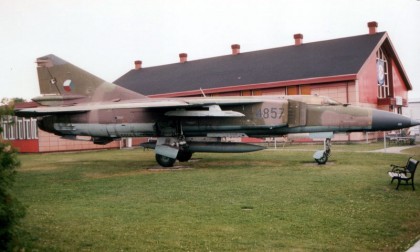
(270, 118)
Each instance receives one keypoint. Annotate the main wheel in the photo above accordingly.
(184, 156)
(164, 161)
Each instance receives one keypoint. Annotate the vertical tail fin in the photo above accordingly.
(64, 81)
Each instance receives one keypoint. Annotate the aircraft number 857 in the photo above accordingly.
(274, 113)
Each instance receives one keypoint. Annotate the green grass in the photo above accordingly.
(272, 200)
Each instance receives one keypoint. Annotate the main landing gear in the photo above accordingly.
(170, 149)
(164, 161)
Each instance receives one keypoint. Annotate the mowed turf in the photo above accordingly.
(272, 200)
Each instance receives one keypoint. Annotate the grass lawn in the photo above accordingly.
(272, 200)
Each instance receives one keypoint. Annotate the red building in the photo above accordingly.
(362, 70)
(346, 69)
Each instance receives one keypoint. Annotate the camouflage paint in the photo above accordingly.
(75, 102)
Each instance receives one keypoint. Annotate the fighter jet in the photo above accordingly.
(76, 103)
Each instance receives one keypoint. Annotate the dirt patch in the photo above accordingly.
(169, 169)
(98, 175)
(314, 164)
(46, 167)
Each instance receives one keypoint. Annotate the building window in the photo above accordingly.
(305, 89)
(292, 90)
(382, 68)
(256, 92)
(246, 93)
(15, 128)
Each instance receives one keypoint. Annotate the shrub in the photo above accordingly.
(11, 210)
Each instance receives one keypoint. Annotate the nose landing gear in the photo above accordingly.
(321, 156)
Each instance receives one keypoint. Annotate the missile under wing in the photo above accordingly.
(77, 103)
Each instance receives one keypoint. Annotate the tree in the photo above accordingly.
(11, 210)
(9, 105)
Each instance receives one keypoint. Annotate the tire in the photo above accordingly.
(184, 156)
(164, 161)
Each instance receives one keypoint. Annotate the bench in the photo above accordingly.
(404, 173)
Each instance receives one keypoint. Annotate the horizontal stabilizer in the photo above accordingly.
(56, 100)
(41, 111)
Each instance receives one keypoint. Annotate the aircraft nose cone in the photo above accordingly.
(414, 122)
(384, 120)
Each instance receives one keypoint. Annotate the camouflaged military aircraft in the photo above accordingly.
(76, 103)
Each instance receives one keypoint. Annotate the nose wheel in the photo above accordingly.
(321, 157)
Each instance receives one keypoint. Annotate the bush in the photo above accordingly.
(11, 210)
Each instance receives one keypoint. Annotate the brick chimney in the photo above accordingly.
(298, 38)
(137, 64)
(183, 57)
(236, 49)
(372, 27)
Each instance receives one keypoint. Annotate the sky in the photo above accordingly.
(105, 37)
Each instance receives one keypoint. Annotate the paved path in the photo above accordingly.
(415, 248)
(395, 149)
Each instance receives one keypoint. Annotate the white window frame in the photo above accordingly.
(383, 90)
